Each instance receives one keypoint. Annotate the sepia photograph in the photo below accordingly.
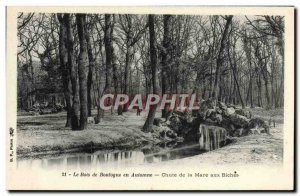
(151, 94)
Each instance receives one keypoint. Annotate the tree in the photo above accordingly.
(64, 65)
(233, 66)
(75, 112)
(221, 56)
(108, 63)
(238, 62)
(166, 50)
(91, 68)
(266, 27)
(82, 64)
(133, 32)
(248, 51)
(29, 34)
(153, 59)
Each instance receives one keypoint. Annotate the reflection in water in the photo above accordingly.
(211, 137)
(104, 159)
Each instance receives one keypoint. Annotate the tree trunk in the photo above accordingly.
(233, 68)
(108, 47)
(90, 73)
(75, 86)
(251, 93)
(280, 96)
(247, 48)
(153, 58)
(266, 82)
(165, 57)
(128, 61)
(113, 58)
(220, 56)
(128, 58)
(259, 101)
(108, 64)
(233, 94)
(114, 64)
(82, 64)
(64, 66)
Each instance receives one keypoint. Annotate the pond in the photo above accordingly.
(112, 158)
(211, 138)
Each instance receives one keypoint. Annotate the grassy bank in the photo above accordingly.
(47, 134)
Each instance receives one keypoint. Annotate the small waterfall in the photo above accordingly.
(211, 137)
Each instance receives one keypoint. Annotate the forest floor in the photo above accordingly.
(261, 149)
(46, 134)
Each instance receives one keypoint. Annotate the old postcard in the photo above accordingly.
(150, 98)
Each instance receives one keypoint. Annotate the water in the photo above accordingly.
(112, 159)
(211, 137)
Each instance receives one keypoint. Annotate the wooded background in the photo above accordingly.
(73, 59)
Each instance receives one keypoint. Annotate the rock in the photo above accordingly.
(175, 123)
(240, 132)
(171, 134)
(222, 106)
(258, 124)
(234, 120)
(188, 117)
(155, 129)
(169, 113)
(208, 104)
(229, 111)
(210, 113)
(232, 127)
(219, 118)
(159, 131)
(157, 122)
(243, 113)
(210, 121)
(256, 130)
(219, 110)
(201, 115)
(191, 120)
(228, 125)
(249, 114)
(230, 139)
(164, 132)
(239, 120)
(231, 106)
